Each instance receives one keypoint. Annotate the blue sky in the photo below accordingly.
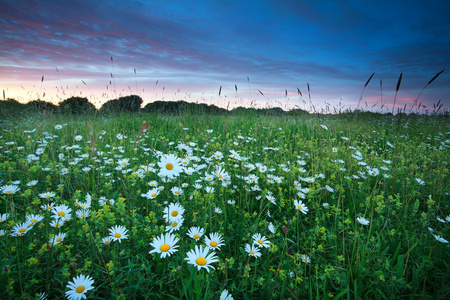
(187, 50)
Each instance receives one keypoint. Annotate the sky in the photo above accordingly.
(229, 53)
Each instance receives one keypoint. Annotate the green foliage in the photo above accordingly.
(123, 104)
(77, 105)
(392, 172)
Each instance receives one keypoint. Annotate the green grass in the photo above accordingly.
(394, 256)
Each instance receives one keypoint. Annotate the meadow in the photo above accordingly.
(134, 206)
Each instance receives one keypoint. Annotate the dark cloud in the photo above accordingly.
(334, 46)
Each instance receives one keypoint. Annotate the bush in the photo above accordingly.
(76, 105)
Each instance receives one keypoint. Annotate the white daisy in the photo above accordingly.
(196, 233)
(214, 241)
(200, 258)
(165, 244)
(78, 288)
(118, 233)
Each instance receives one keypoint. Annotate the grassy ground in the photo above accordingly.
(373, 222)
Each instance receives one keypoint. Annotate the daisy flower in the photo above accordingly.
(225, 295)
(32, 183)
(271, 228)
(106, 240)
(2, 232)
(57, 223)
(33, 219)
(260, 241)
(195, 233)
(305, 258)
(175, 225)
(118, 233)
(78, 288)
(83, 213)
(62, 211)
(252, 250)
(420, 181)
(217, 210)
(21, 229)
(174, 211)
(10, 189)
(200, 258)
(440, 239)
(58, 238)
(362, 221)
(151, 194)
(176, 191)
(301, 206)
(3, 217)
(46, 195)
(58, 127)
(78, 138)
(214, 241)
(170, 165)
(165, 244)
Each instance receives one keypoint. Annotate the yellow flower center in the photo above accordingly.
(1, 220)
(117, 235)
(174, 213)
(164, 248)
(169, 167)
(79, 289)
(196, 236)
(201, 261)
(83, 216)
(22, 230)
(59, 240)
(220, 176)
(61, 214)
(260, 242)
(32, 220)
(213, 244)
(154, 195)
(299, 207)
(252, 252)
(49, 207)
(174, 224)
(9, 192)
(107, 242)
(176, 192)
(305, 259)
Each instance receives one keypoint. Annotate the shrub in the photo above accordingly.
(76, 105)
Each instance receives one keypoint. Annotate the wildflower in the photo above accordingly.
(200, 258)
(196, 233)
(32, 183)
(78, 288)
(64, 171)
(271, 228)
(118, 233)
(170, 166)
(58, 238)
(46, 195)
(57, 223)
(4, 217)
(78, 138)
(374, 172)
(214, 241)
(10, 189)
(58, 127)
(218, 155)
(33, 219)
(173, 212)
(301, 206)
(260, 241)
(176, 191)
(231, 202)
(21, 229)
(151, 194)
(217, 210)
(165, 244)
(2, 232)
(209, 189)
(324, 127)
(225, 295)
(334, 150)
(62, 211)
(271, 199)
(106, 240)
(39, 151)
(83, 213)
(175, 225)
(440, 239)
(305, 258)
(420, 181)
(329, 188)
(363, 221)
(252, 250)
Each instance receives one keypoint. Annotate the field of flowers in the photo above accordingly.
(210, 207)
